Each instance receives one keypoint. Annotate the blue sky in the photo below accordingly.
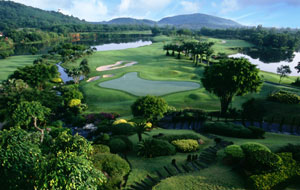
(270, 13)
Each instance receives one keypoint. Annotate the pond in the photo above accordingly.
(272, 66)
(133, 84)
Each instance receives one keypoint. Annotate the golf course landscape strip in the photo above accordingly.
(116, 66)
(132, 84)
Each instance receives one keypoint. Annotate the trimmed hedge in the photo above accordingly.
(257, 132)
(262, 161)
(119, 144)
(284, 97)
(155, 147)
(186, 145)
(234, 151)
(171, 138)
(100, 148)
(268, 181)
(294, 149)
(228, 129)
(251, 147)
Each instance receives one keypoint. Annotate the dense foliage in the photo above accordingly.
(154, 147)
(284, 97)
(149, 107)
(186, 145)
(234, 151)
(171, 138)
(229, 78)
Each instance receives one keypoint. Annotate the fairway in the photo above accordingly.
(133, 84)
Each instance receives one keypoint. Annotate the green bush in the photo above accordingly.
(119, 144)
(284, 97)
(155, 147)
(227, 129)
(263, 161)
(189, 115)
(149, 107)
(268, 181)
(115, 166)
(251, 147)
(100, 148)
(234, 151)
(294, 149)
(119, 129)
(171, 138)
(186, 145)
(257, 132)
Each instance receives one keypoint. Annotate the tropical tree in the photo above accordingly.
(27, 113)
(141, 127)
(75, 73)
(167, 47)
(283, 71)
(229, 78)
(84, 67)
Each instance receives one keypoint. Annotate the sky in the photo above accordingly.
(269, 13)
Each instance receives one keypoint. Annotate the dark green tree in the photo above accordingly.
(229, 78)
(283, 71)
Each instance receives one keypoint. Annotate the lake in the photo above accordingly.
(272, 67)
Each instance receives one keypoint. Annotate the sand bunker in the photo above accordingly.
(116, 66)
(223, 42)
(108, 76)
(93, 79)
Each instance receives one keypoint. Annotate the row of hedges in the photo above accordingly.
(284, 97)
(233, 130)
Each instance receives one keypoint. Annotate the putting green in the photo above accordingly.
(132, 84)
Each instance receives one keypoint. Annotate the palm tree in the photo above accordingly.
(140, 127)
(75, 73)
(85, 70)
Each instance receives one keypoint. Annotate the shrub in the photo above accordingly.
(100, 148)
(234, 151)
(74, 103)
(120, 144)
(119, 121)
(253, 110)
(171, 138)
(257, 132)
(190, 115)
(119, 129)
(263, 161)
(149, 107)
(155, 147)
(251, 147)
(284, 97)
(186, 145)
(57, 80)
(294, 149)
(114, 166)
(268, 181)
(228, 129)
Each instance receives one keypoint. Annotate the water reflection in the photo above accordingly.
(270, 55)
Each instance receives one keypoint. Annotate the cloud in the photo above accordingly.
(190, 7)
(124, 6)
(229, 6)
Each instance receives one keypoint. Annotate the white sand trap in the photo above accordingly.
(115, 66)
(223, 42)
(93, 79)
(108, 76)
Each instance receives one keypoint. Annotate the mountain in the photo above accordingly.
(130, 21)
(16, 15)
(197, 21)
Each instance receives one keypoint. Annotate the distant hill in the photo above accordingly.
(130, 21)
(191, 21)
(15, 15)
(197, 21)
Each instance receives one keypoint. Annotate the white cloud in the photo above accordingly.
(124, 6)
(190, 7)
(229, 6)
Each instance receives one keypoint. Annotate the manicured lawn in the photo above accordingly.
(10, 64)
(143, 166)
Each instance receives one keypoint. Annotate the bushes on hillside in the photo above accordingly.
(189, 115)
(231, 130)
(120, 144)
(284, 97)
(294, 149)
(251, 147)
(155, 147)
(186, 145)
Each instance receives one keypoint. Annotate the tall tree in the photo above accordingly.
(84, 67)
(229, 78)
(283, 71)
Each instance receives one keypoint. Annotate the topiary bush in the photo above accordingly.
(228, 129)
(284, 97)
(267, 181)
(257, 132)
(292, 148)
(234, 151)
(155, 147)
(251, 147)
(171, 138)
(186, 145)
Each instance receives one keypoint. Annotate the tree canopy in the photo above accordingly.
(229, 78)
